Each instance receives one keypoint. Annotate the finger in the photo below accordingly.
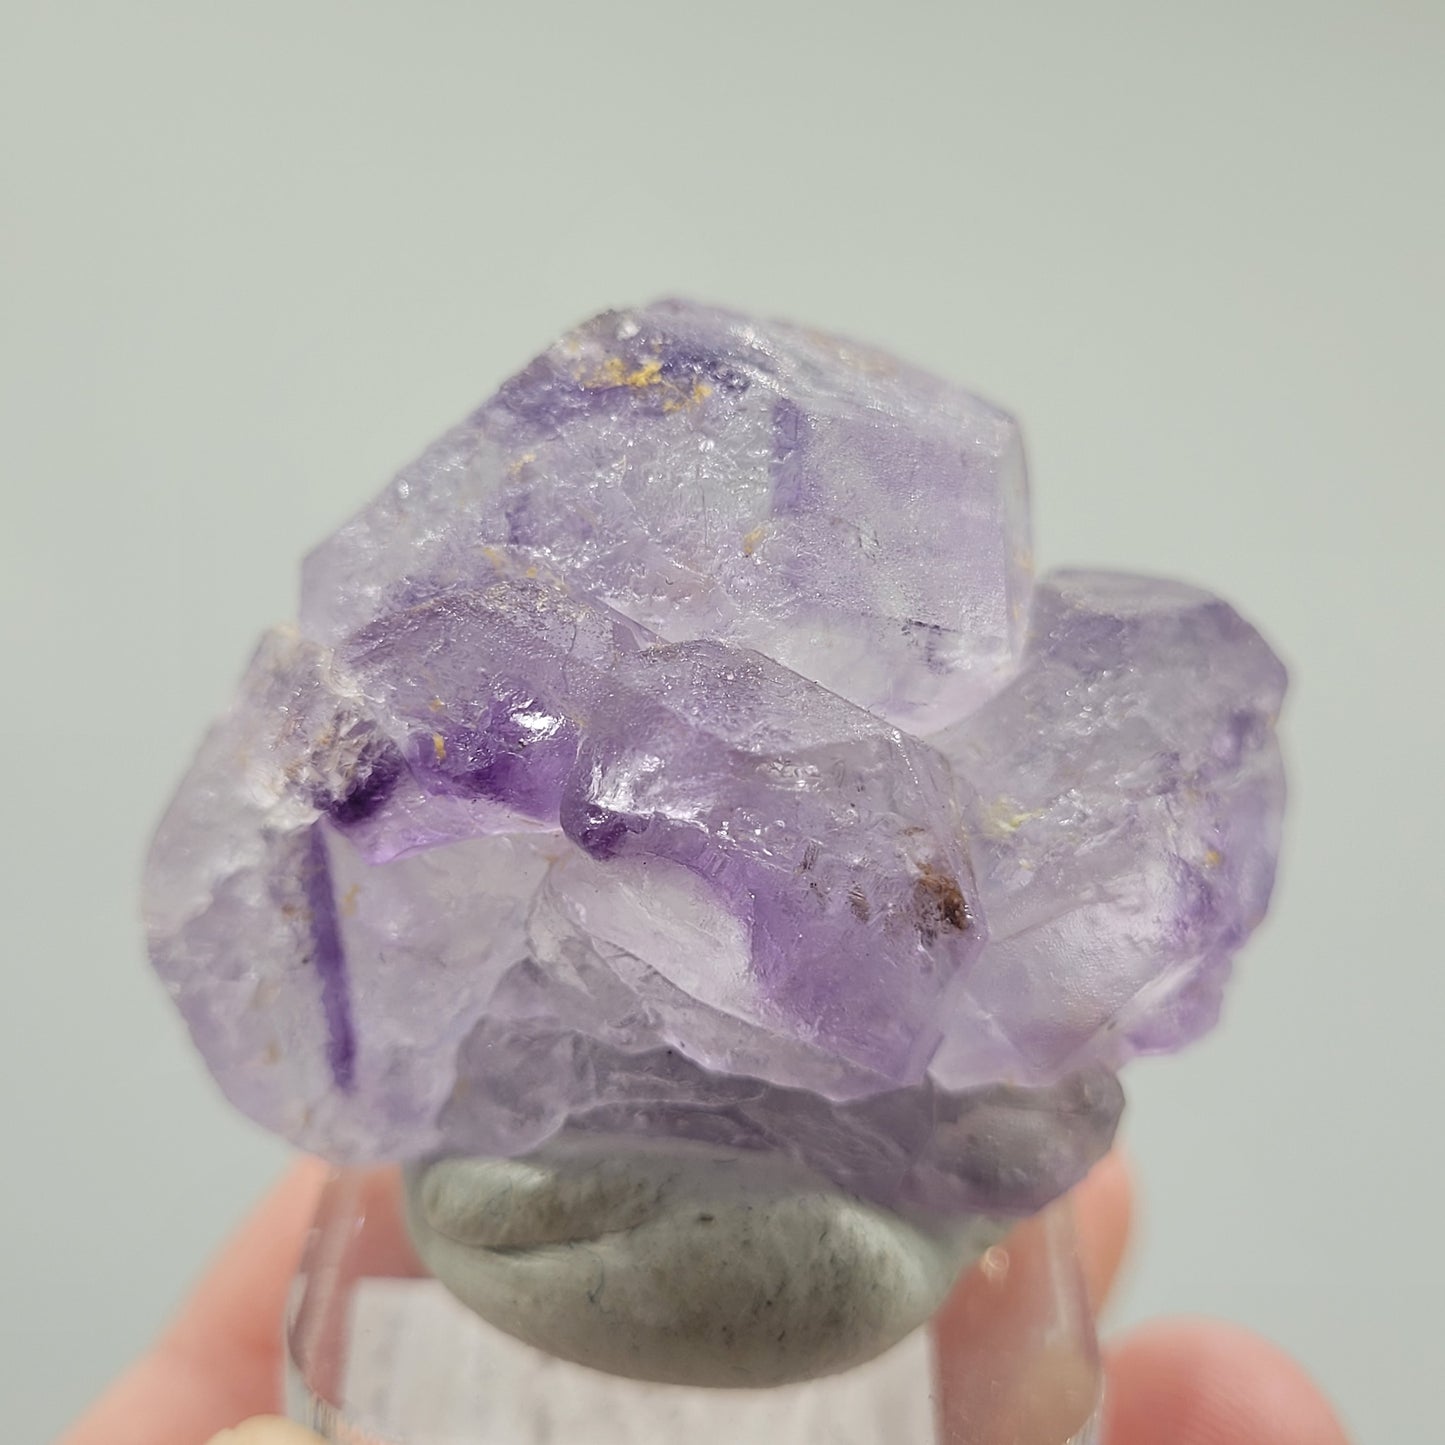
(233, 1315)
(1013, 1345)
(237, 1309)
(266, 1430)
(1200, 1383)
(220, 1361)
(1104, 1217)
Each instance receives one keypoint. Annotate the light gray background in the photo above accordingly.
(257, 254)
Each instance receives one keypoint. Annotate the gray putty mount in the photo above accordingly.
(683, 1264)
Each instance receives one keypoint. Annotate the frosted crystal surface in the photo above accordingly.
(710, 475)
(680, 747)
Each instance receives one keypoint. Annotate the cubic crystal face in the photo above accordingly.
(833, 838)
(859, 521)
(1124, 823)
(679, 748)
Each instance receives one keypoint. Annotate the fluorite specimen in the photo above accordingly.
(680, 747)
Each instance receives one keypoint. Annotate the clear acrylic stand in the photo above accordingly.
(380, 1354)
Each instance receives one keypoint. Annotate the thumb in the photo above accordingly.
(266, 1430)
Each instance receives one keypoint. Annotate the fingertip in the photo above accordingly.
(266, 1430)
(236, 1304)
(1207, 1383)
(1104, 1216)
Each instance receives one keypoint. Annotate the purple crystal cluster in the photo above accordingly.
(681, 746)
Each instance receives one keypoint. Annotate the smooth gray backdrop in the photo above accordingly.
(257, 254)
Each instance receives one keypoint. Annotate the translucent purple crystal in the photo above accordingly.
(856, 520)
(680, 748)
(1124, 823)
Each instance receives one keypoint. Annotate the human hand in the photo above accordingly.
(1170, 1383)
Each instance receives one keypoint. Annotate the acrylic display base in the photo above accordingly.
(380, 1354)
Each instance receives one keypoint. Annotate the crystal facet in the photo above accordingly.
(1124, 824)
(853, 518)
(680, 748)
